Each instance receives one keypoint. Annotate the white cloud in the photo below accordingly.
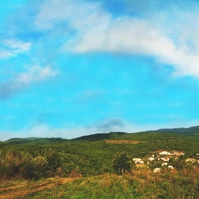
(72, 130)
(126, 35)
(170, 36)
(36, 74)
(140, 36)
(22, 80)
(18, 46)
(78, 14)
(135, 36)
(77, 130)
(11, 47)
(4, 53)
(90, 95)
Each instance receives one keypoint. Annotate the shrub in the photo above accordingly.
(121, 163)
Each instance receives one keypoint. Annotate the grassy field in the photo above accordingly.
(137, 184)
(85, 167)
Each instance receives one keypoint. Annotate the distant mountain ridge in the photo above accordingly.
(191, 131)
(100, 136)
(34, 140)
(185, 131)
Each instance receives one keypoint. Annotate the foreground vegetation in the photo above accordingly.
(94, 162)
(139, 184)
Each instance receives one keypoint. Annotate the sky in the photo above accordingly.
(70, 68)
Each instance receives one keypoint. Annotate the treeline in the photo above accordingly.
(38, 162)
(33, 162)
(64, 160)
(85, 158)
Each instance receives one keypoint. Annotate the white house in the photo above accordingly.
(157, 170)
(151, 159)
(138, 161)
(178, 154)
(165, 159)
(164, 164)
(165, 153)
(192, 160)
(170, 167)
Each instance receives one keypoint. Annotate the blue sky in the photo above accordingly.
(75, 67)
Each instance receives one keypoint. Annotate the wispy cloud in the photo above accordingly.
(169, 36)
(36, 74)
(114, 124)
(11, 47)
(4, 53)
(131, 35)
(73, 130)
(87, 15)
(125, 35)
(89, 95)
(80, 38)
(138, 36)
(22, 80)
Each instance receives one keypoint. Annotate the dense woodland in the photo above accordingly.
(36, 158)
(100, 154)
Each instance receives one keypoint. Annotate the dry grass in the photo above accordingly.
(122, 141)
(25, 188)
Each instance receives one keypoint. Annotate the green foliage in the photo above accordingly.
(127, 186)
(91, 155)
(121, 163)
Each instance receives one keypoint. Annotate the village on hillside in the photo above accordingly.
(161, 160)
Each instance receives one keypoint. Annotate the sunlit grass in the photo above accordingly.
(145, 185)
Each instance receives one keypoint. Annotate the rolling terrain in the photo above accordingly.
(93, 161)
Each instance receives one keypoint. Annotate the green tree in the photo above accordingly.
(121, 163)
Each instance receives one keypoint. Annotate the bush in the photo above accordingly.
(121, 163)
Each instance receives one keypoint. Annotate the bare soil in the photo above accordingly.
(22, 190)
(122, 141)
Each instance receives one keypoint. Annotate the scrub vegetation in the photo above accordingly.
(113, 165)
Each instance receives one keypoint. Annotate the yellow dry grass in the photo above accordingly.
(122, 141)
(22, 190)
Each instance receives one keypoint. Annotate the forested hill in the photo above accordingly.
(191, 131)
(194, 130)
(34, 140)
(103, 136)
(34, 158)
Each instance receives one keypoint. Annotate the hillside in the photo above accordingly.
(57, 160)
(34, 140)
(185, 131)
(102, 136)
(191, 131)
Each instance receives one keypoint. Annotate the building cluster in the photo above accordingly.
(163, 158)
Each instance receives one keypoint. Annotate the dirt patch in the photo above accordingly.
(122, 141)
(10, 188)
(14, 192)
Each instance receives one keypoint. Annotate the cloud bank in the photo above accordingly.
(22, 80)
(97, 30)
(137, 36)
(109, 56)
(168, 34)
(11, 47)
(71, 131)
